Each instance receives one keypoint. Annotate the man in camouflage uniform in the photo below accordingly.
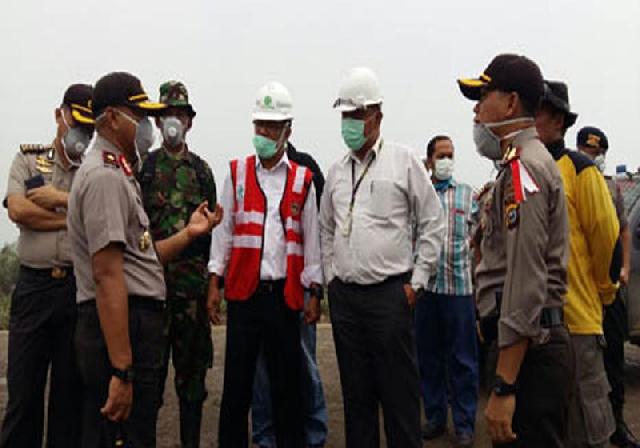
(174, 182)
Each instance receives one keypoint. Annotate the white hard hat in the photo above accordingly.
(359, 89)
(273, 103)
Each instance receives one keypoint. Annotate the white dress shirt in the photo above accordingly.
(379, 245)
(273, 265)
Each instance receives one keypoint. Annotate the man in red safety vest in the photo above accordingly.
(268, 250)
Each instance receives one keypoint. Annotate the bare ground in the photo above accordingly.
(168, 421)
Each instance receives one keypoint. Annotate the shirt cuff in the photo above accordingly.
(215, 267)
(419, 279)
(311, 274)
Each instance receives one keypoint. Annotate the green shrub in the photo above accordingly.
(4, 312)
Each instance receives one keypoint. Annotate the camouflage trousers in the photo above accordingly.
(189, 345)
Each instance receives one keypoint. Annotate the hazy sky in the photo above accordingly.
(224, 51)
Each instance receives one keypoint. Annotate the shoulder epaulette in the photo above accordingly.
(28, 148)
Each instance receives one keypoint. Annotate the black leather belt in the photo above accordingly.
(270, 286)
(552, 317)
(150, 303)
(56, 272)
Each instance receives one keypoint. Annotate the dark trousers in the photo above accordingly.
(615, 333)
(542, 401)
(148, 346)
(448, 359)
(375, 345)
(41, 325)
(263, 321)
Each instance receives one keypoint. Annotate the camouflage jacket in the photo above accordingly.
(172, 188)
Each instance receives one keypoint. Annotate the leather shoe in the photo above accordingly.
(623, 437)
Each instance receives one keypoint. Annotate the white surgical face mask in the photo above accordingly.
(600, 163)
(443, 169)
(488, 143)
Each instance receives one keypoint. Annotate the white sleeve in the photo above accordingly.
(312, 272)
(221, 236)
(430, 223)
(327, 228)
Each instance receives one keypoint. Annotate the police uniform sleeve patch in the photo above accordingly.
(27, 148)
(512, 216)
(110, 159)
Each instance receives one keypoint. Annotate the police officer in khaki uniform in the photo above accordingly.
(521, 277)
(121, 291)
(42, 306)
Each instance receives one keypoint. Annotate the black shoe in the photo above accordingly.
(623, 437)
(464, 440)
(432, 431)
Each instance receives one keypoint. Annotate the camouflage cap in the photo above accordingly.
(174, 94)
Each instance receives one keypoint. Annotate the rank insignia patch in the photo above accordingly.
(512, 216)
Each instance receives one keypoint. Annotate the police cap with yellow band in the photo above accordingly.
(507, 73)
(78, 99)
(123, 89)
(592, 137)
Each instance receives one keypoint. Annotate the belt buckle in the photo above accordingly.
(58, 273)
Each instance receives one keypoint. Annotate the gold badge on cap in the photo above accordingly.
(145, 241)
(593, 140)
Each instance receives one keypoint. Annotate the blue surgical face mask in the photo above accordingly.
(265, 147)
(353, 133)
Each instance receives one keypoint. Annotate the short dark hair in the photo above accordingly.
(530, 105)
(431, 146)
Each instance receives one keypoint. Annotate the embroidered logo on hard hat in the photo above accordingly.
(268, 101)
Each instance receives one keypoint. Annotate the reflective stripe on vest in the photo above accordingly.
(249, 213)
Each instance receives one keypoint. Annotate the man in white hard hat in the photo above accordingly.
(365, 218)
(268, 248)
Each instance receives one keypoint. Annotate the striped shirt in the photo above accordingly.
(453, 276)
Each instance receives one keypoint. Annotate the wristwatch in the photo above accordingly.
(126, 376)
(317, 291)
(503, 389)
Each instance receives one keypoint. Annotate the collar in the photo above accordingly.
(284, 160)
(102, 144)
(373, 152)
(525, 135)
(445, 184)
(557, 148)
(185, 154)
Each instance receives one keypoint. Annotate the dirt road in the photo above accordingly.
(168, 422)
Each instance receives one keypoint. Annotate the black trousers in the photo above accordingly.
(374, 337)
(264, 320)
(542, 401)
(146, 324)
(615, 333)
(41, 325)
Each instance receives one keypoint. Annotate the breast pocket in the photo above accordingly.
(459, 223)
(382, 196)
